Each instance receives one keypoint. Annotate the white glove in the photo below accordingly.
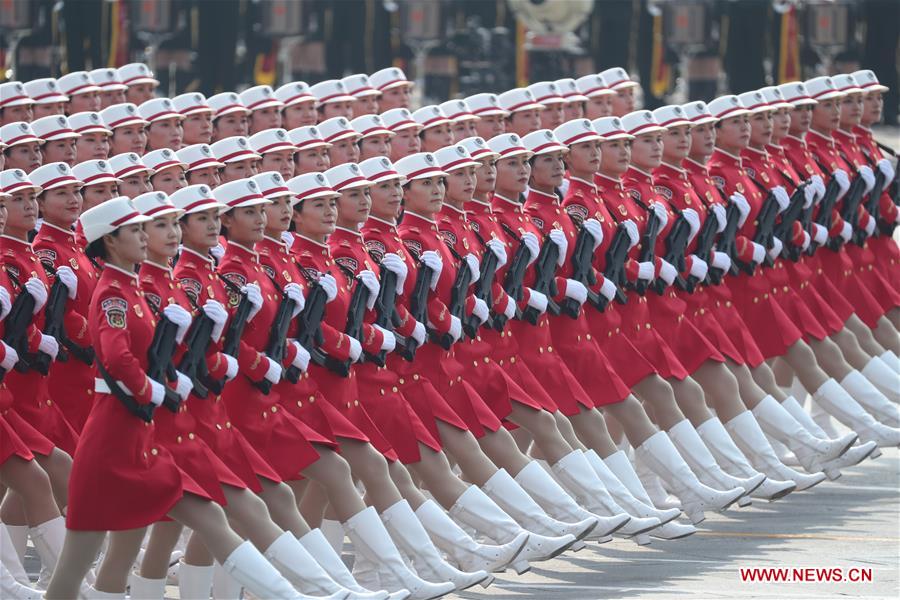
(329, 284)
(537, 300)
(288, 238)
(433, 261)
(157, 392)
(472, 263)
(481, 310)
(885, 166)
(397, 266)
(743, 206)
(388, 340)
(595, 229)
(355, 349)
(301, 359)
(759, 253)
(870, 227)
(218, 315)
(576, 291)
(806, 241)
(661, 213)
(699, 268)
(843, 182)
(38, 291)
(418, 333)
(69, 279)
(809, 195)
(183, 385)
(254, 295)
(10, 357)
(231, 368)
(48, 345)
(667, 272)
(865, 171)
(455, 328)
(607, 289)
(690, 215)
(370, 280)
(5, 303)
(721, 220)
(819, 186)
(632, 231)
(218, 251)
(646, 270)
(273, 373)
(819, 234)
(534, 246)
(781, 197)
(180, 317)
(721, 261)
(846, 232)
(295, 293)
(558, 237)
(775, 250)
(509, 311)
(499, 250)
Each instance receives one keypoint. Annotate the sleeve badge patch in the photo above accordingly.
(115, 310)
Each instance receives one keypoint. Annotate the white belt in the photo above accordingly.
(101, 387)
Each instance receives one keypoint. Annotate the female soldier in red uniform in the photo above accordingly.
(121, 479)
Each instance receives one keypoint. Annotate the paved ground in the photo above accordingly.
(851, 522)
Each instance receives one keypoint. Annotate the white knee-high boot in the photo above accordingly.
(9, 555)
(839, 401)
(883, 378)
(12, 589)
(141, 588)
(321, 550)
(195, 582)
(865, 392)
(663, 458)
(296, 564)
(251, 569)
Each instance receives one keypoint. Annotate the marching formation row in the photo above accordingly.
(469, 337)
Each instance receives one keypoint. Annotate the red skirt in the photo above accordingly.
(428, 404)
(700, 309)
(30, 400)
(226, 442)
(592, 381)
(34, 440)
(883, 284)
(648, 340)
(343, 393)
(801, 277)
(282, 440)
(392, 414)
(625, 359)
(839, 268)
(122, 478)
(772, 329)
(667, 314)
(787, 297)
(305, 402)
(826, 288)
(11, 444)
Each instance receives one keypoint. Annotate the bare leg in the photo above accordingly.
(542, 427)
(886, 334)
(591, 428)
(850, 348)
(783, 372)
(502, 450)
(864, 336)
(437, 477)
(465, 450)
(635, 422)
(332, 476)
(197, 553)
(801, 357)
(523, 439)
(32, 488)
(659, 393)
(315, 501)
(112, 576)
(723, 391)
(78, 554)
(830, 358)
(690, 398)
(283, 507)
(764, 378)
(406, 487)
(163, 537)
(371, 468)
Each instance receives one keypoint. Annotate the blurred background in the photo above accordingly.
(677, 49)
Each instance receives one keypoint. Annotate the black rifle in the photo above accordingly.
(487, 270)
(193, 361)
(616, 255)
(159, 359)
(872, 207)
(792, 214)
(356, 312)
(727, 243)
(544, 280)
(850, 209)
(54, 325)
(418, 308)
(676, 244)
(16, 332)
(515, 275)
(385, 308)
(705, 240)
(765, 227)
(457, 306)
(648, 247)
(234, 331)
(826, 207)
(277, 339)
(309, 321)
(583, 272)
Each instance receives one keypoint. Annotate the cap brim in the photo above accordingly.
(761, 109)
(23, 185)
(355, 184)
(517, 152)
(395, 84)
(426, 174)
(112, 87)
(676, 123)
(62, 183)
(830, 95)
(52, 99)
(168, 165)
(532, 106)
(646, 130)
(299, 100)
(272, 103)
(378, 131)
(140, 80)
(703, 120)
(17, 102)
(591, 137)
(105, 178)
(484, 153)
(193, 110)
(132, 170)
(611, 137)
(386, 177)
(735, 113)
(576, 98)
(436, 122)
(308, 144)
(623, 85)
(245, 155)
(492, 112)
(231, 110)
(167, 211)
(94, 129)
(600, 92)
(343, 136)
(877, 87)
(333, 99)
(276, 148)
(314, 195)
(128, 123)
(205, 206)
(85, 90)
(462, 165)
(404, 126)
(246, 203)
(205, 164)
(134, 221)
(365, 93)
(64, 135)
(25, 140)
(166, 115)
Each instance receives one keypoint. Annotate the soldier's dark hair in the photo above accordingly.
(97, 248)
